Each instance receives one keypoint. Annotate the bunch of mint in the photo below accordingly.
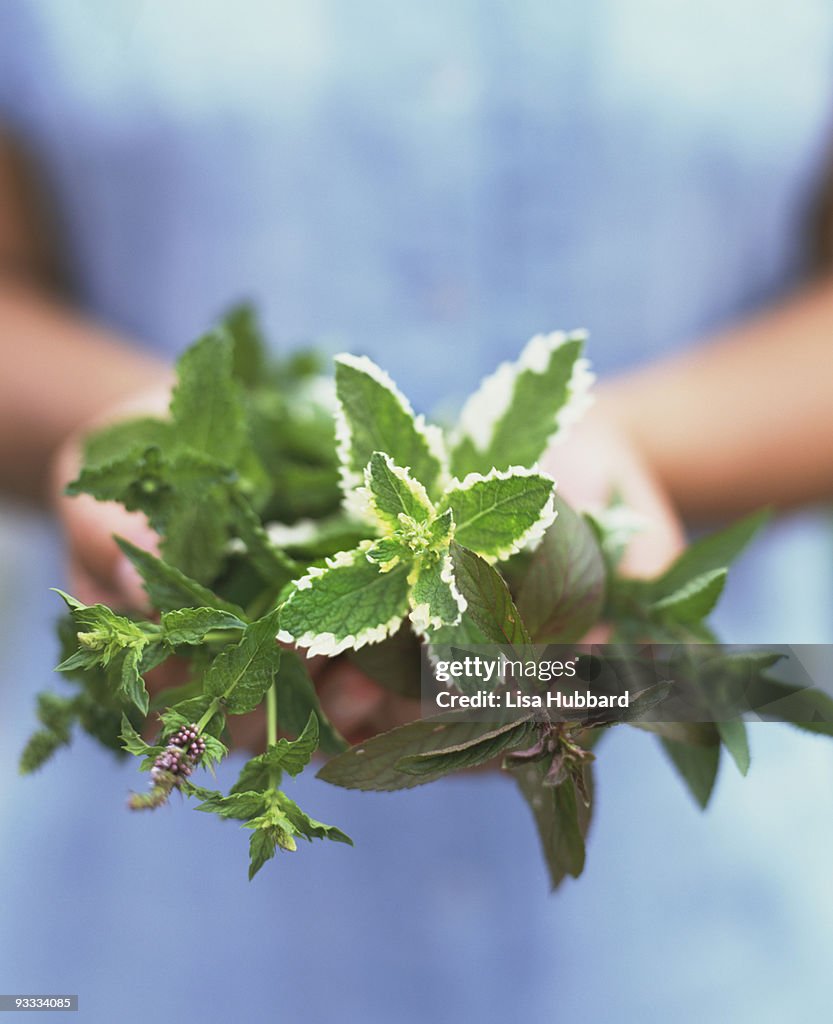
(341, 524)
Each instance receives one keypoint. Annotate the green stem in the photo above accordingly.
(272, 715)
(210, 712)
(272, 729)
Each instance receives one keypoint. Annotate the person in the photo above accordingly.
(446, 180)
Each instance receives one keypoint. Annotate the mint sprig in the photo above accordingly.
(336, 519)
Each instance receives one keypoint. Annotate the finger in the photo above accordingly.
(90, 528)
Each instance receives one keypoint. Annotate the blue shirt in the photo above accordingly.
(430, 184)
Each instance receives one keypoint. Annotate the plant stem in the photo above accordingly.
(272, 715)
(272, 729)
(210, 712)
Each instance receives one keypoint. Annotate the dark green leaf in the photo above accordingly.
(562, 593)
(733, 735)
(490, 604)
(468, 755)
(697, 764)
(561, 819)
(373, 765)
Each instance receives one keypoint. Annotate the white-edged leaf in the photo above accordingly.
(519, 409)
(373, 415)
(345, 605)
(499, 514)
(435, 599)
(393, 492)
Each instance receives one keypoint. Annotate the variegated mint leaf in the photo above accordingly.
(393, 492)
(373, 415)
(435, 599)
(387, 552)
(501, 513)
(520, 408)
(345, 605)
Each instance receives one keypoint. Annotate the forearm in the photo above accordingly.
(58, 372)
(744, 420)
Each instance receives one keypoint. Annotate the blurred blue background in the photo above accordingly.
(429, 184)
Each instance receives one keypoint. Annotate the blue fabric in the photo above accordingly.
(431, 184)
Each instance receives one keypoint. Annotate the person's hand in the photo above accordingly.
(97, 570)
(597, 459)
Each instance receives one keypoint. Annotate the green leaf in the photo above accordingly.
(273, 566)
(518, 410)
(697, 764)
(386, 552)
(307, 827)
(138, 479)
(297, 699)
(294, 755)
(249, 352)
(561, 819)
(498, 514)
(435, 599)
(489, 603)
(132, 686)
(374, 764)
(241, 806)
(374, 416)
(346, 605)
(562, 592)
(733, 734)
(191, 625)
(242, 674)
(694, 600)
(39, 748)
(262, 846)
(127, 439)
(394, 492)
(131, 740)
(197, 530)
(469, 755)
(206, 406)
(717, 551)
(168, 588)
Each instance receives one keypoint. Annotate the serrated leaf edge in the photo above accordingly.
(531, 537)
(484, 409)
(354, 503)
(420, 614)
(328, 643)
(366, 497)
